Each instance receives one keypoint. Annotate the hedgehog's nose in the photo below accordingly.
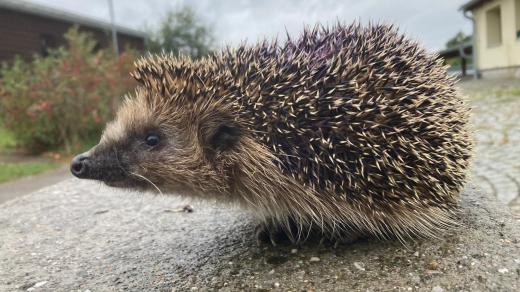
(79, 166)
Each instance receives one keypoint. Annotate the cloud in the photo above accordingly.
(430, 22)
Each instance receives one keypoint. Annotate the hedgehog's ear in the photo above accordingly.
(220, 136)
(224, 137)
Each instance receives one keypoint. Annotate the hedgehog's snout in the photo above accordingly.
(98, 165)
(80, 165)
(88, 166)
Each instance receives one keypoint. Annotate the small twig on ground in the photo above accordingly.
(186, 209)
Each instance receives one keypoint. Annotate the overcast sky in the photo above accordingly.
(431, 22)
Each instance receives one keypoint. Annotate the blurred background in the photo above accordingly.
(65, 67)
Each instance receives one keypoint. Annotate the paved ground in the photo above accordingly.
(27, 185)
(80, 236)
(496, 117)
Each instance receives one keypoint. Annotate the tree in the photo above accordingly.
(457, 40)
(454, 42)
(182, 32)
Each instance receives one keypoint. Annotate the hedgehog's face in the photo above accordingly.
(148, 147)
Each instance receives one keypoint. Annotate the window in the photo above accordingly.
(47, 42)
(494, 27)
(517, 16)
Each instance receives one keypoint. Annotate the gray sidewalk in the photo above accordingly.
(81, 236)
(29, 184)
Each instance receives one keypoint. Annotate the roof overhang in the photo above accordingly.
(458, 51)
(468, 6)
(43, 11)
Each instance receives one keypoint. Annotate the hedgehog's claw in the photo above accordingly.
(264, 234)
(344, 238)
(261, 233)
(267, 233)
(347, 238)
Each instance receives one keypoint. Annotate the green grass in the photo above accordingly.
(510, 91)
(10, 171)
(26, 166)
(6, 139)
(507, 95)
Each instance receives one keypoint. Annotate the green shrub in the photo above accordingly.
(64, 99)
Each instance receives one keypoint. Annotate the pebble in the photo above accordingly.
(503, 270)
(37, 285)
(437, 289)
(416, 253)
(294, 250)
(433, 265)
(314, 259)
(276, 285)
(359, 266)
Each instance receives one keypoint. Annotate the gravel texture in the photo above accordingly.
(81, 236)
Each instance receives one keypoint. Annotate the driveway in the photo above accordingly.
(29, 184)
(496, 167)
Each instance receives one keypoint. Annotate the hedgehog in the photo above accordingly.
(346, 131)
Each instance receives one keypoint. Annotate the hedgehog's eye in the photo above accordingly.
(152, 139)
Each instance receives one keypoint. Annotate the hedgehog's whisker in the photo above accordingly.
(147, 180)
(136, 174)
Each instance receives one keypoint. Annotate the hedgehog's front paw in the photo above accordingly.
(270, 234)
(346, 238)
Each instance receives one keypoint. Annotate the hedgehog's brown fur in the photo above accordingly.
(347, 129)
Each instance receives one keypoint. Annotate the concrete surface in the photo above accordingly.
(80, 236)
(26, 185)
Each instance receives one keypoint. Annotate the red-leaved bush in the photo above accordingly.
(64, 99)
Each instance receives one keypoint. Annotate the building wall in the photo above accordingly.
(26, 34)
(504, 56)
